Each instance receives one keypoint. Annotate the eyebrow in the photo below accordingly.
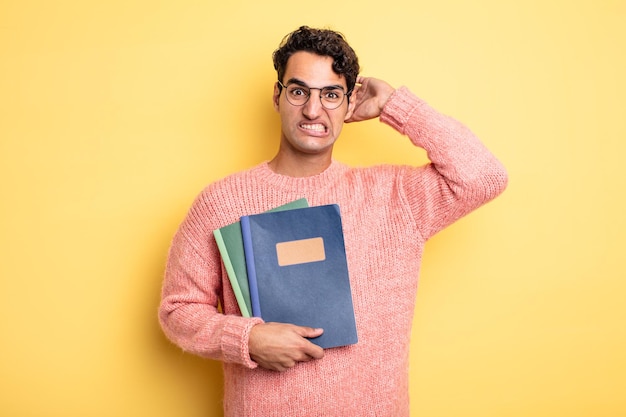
(303, 84)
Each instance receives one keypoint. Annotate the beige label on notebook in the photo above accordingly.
(300, 251)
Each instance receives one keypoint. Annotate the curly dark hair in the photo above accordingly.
(323, 42)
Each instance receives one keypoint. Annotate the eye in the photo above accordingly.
(298, 92)
(332, 94)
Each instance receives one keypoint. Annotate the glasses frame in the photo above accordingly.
(304, 86)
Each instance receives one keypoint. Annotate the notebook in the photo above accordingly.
(298, 273)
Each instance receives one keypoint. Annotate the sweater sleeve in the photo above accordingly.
(189, 313)
(462, 174)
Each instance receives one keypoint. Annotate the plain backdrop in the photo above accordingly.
(115, 114)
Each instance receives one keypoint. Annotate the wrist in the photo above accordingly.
(398, 108)
(246, 358)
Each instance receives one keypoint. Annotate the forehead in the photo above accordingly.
(313, 69)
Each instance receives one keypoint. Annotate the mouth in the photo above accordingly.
(315, 128)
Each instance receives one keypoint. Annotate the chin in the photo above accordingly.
(316, 148)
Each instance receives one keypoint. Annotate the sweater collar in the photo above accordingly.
(315, 182)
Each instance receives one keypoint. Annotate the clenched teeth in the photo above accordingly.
(316, 127)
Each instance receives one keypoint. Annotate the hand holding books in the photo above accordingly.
(279, 346)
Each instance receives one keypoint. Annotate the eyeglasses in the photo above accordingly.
(298, 95)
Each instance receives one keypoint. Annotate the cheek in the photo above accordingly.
(339, 120)
(337, 126)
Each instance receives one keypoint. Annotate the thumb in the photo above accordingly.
(309, 332)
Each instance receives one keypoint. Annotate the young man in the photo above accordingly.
(388, 213)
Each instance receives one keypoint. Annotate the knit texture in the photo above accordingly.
(388, 214)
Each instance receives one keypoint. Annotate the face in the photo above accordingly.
(310, 128)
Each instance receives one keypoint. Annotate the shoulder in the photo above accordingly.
(223, 201)
(230, 184)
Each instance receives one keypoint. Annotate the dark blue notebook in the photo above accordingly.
(297, 271)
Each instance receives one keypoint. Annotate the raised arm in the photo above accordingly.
(463, 173)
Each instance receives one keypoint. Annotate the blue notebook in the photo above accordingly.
(297, 271)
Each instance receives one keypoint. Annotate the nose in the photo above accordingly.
(313, 107)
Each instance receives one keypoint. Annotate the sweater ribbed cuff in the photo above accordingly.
(235, 339)
(399, 108)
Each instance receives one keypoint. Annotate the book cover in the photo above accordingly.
(297, 271)
(230, 245)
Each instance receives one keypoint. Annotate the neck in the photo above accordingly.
(303, 166)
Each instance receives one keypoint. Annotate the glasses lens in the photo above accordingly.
(298, 95)
(332, 97)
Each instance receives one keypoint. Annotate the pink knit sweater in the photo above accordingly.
(388, 214)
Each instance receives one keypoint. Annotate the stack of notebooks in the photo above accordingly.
(288, 265)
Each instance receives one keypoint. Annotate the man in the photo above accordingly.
(388, 213)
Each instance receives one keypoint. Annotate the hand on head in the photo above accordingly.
(368, 98)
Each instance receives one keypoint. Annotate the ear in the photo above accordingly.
(351, 107)
(276, 96)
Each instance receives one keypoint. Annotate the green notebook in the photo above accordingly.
(230, 244)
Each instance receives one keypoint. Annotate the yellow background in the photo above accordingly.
(114, 114)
